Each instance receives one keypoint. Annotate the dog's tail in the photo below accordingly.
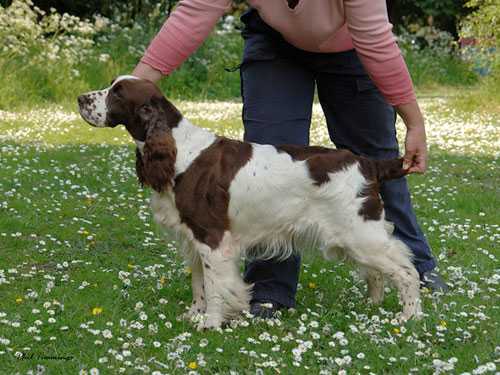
(390, 169)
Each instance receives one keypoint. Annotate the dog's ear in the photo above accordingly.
(145, 112)
(157, 164)
(171, 113)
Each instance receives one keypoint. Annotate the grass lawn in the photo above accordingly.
(89, 284)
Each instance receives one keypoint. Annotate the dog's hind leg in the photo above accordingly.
(392, 258)
(375, 282)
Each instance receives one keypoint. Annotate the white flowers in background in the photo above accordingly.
(83, 285)
(444, 366)
(104, 57)
(36, 37)
(107, 334)
(123, 276)
(227, 25)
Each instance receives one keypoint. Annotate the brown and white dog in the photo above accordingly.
(225, 197)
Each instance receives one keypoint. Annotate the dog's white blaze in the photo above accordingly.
(121, 78)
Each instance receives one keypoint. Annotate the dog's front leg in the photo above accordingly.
(199, 304)
(226, 293)
(213, 277)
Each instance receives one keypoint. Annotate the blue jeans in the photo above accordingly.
(277, 87)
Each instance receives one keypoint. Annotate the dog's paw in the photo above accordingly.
(194, 311)
(411, 310)
(209, 322)
(406, 316)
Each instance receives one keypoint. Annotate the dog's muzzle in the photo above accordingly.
(92, 107)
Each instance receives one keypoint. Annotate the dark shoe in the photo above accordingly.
(264, 309)
(433, 281)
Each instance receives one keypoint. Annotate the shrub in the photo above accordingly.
(433, 57)
(49, 57)
(52, 57)
(42, 52)
(482, 26)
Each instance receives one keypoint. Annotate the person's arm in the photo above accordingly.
(376, 46)
(415, 157)
(184, 31)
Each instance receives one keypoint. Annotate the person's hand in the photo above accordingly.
(415, 158)
(146, 72)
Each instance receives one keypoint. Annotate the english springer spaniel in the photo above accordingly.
(226, 197)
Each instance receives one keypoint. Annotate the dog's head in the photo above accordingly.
(129, 101)
(149, 118)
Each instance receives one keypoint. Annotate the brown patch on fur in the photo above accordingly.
(320, 160)
(202, 191)
(390, 169)
(372, 206)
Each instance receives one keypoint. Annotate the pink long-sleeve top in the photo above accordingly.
(313, 25)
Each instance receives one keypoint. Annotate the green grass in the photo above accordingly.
(72, 214)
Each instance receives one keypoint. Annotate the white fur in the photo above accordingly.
(274, 201)
(122, 77)
(190, 140)
(95, 114)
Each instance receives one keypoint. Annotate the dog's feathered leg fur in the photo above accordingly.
(199, 304)
(226, 293)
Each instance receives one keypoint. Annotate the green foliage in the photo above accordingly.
(49, 57)
(484, 22)
(42, 51)
(441, 14)
(443, 8)
(52, 57)
(433, 58)
(482, 26)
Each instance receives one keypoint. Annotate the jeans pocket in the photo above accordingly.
(364, 84)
